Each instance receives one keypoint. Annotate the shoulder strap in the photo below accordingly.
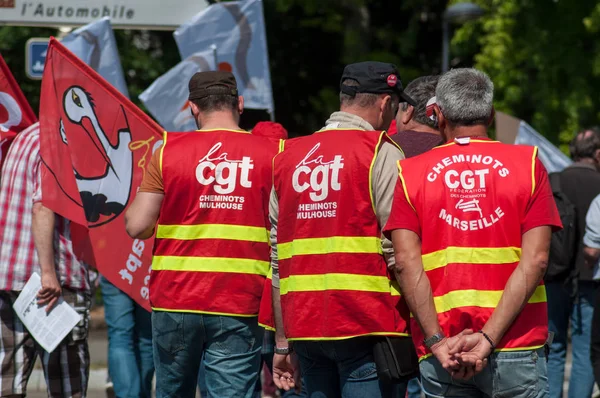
(555, 182)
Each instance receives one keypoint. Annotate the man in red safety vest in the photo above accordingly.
(471, 226)
(207, 194)
(332, 293)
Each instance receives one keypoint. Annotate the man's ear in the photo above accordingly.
(385, 102)
(492, 116)
(194, 108)
(408, 114)
(440, 117)
(240, 104)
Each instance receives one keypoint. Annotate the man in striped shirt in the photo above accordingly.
(35, 240)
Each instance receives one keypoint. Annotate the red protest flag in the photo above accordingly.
(95, 145)
(15, 112)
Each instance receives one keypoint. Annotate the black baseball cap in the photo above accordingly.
(375, 78)
(203, 84)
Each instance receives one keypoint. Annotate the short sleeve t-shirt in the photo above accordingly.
(152, 181)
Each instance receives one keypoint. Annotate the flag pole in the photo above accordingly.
(214, 51)
(267, 60)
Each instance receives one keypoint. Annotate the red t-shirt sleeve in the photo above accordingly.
(541, 209)
(402, 215)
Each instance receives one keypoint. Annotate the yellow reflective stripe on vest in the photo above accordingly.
(395, 288)
(479, 298)
(334, 244)
(314, 283)
(210, 264)
(471, 255)
(213, 231)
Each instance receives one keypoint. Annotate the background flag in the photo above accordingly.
(237, 29)
(550, 156)
(167, 98)
(95, 145)
(15, 112)
(95, 45)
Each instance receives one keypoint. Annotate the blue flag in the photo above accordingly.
(237, 30)
(550, 156)
(167, 98)
(95, 45)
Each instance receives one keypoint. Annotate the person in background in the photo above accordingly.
(208, 201)
(471, 225)
(571, 295)
(130, 361)
(270, 130)
(35, 240)
(273, 131)
(417, 131)
(331, 289)
(591, 252)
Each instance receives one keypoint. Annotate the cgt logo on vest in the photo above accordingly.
(470, 186)
(223, 175)
(467, 184)
(320, 177)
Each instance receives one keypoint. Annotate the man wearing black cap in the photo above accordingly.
(332, 295)
(363, 88)
(207, 194)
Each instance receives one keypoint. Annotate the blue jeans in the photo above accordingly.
(509, 374)
(414, 388)
(561, 310)
(202, 380)
(343, 368)
(130, 362)
(202, 383)
(230, 347)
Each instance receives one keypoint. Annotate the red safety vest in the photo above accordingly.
(471, 197)
(266, 318)
(211, 253)
(334, 280)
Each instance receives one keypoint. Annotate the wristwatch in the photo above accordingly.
(283, 351)
(433, 340)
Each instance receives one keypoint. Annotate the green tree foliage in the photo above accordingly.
(12, 49)
(543, 58)
(542, 55)
(310, 41)
(145, 55)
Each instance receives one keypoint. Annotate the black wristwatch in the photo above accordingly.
(433, 340)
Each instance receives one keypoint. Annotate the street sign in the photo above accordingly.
(35, 57)
(130, 14)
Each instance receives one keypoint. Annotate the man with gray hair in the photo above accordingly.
(471, 225)
(417, 131)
